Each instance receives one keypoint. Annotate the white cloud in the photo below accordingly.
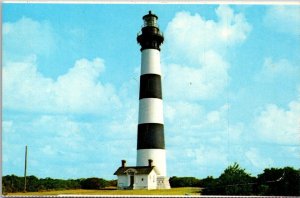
(7, 126)
(183, 111)
(198, 161)
(28, 37)
(58, 132)
(58, 142)
(235, 132)
(294, 151)
(25, 88)
(216, 116)
(194, 83)
(196, 65)
(273, 69)
(257, 160)
(48, 150)
(233, 28)
(281, 66)
(212, 156)
(124, 126)
(77, 91)
(279, 125)
(283, 18)
(8, 130)
(205, 137)
(199, 126)
(53, 136)
(190, 36)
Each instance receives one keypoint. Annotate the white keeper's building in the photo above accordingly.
(137, 177)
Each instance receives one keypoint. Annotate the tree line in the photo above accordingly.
(13, 183)
(233, 181)
(236, 181)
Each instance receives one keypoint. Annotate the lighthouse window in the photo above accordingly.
(154, 44)
(150, 21)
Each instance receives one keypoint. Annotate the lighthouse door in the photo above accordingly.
(131, 180)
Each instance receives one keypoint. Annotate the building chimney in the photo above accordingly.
(150, 161)
(123, 163)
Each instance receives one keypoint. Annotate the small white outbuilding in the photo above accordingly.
(137, 177)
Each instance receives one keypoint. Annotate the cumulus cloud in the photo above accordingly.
(279, 125)
(284, 18)
(58, 132)
(78, 91)
(274, 69)
(57, 142)
(214, 155)
(191, 35)
(7, 126)
(197, 82)
(25, 88)
(257, 160)
(217, 116)
(204, 136)
(198, 123)
(195, 68)
(196, 50)
(200, 160)
(182, 111)
(28, 37)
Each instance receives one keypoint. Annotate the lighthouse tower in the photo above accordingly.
(150, 141)
(150, 170)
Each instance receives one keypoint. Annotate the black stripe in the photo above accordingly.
(151, 38)
(151, 136)
(150, 86)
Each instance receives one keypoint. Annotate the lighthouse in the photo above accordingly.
(150, 170)
(150, 141)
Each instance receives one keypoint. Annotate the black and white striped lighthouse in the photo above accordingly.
(150, 141)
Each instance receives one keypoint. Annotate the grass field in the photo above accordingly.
(173, 191)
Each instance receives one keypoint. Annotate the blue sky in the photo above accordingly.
(231, 87)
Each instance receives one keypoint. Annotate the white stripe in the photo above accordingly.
(157, 155)
(151, 111)
(150, 62)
